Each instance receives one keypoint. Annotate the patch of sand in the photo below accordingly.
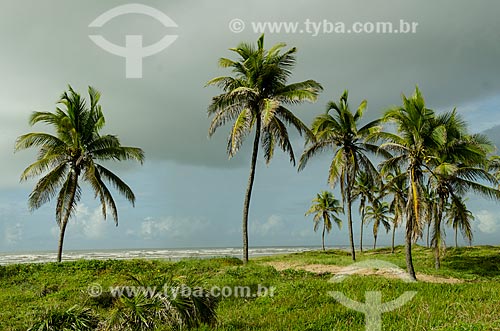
(346, 270)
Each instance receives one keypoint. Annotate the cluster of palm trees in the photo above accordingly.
(429, 160)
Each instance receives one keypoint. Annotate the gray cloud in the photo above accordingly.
(453, 57)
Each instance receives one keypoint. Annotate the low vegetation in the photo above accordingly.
(59, 292)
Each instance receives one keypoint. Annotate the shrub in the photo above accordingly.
(73, 319)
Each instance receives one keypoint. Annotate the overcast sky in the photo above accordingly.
(188, 193)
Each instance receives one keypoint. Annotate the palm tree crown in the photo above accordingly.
(338, 129)
(73, 151)
(378, 212)
(255, 98)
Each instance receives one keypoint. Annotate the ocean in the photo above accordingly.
(166, 254)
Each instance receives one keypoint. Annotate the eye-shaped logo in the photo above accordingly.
(133, 52)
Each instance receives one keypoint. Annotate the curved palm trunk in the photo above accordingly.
(248, 193)
(412, 214)
(323, 236)
(375, 242)
(61, 240)
(64, 221)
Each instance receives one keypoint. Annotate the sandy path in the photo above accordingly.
(346, 270)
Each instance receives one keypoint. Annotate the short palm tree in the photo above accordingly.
(339, 129)
(460, 218)
(430, 200)
(366, 190)
(379, 213)
(325, 209)
(71, 155)
(416, 138)
(255, 99)
(396, 185)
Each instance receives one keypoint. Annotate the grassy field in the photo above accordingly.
(300, 299)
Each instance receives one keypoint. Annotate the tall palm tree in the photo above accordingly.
(340, 131)
(460, 218)
(417, 136)
(325, 209)
(379, 214)
(71, 155)
(255, 98)
(366, 190)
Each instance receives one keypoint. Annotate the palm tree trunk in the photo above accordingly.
(409, 259)
(64, 221)
(361, 236)
(437, 234)
(393, 235)
(323, 236)
(349, 215)
(61, 240)
(456, 237)
(248, 193)
(428, 231)
(411, 217)
(374, 242)
(361, 230)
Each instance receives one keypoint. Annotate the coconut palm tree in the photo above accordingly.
(366, 190)
(458, 166)
(325, 209)
(255, 99)
(417, 136)
(338, 129)
(71, 155)
(430, 200)
(460, 218)
(379, 214)
(396, 185)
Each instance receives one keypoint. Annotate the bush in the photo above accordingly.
(177, 306)
(73, 319)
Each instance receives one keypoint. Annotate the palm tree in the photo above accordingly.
(458, 166)
(72, 154)
(366, 190)
(255, 98)
(417, 137)
(379, 214)
(396, 185)
(325, 208)
(460, 218)
(430, 200)
(339, 131)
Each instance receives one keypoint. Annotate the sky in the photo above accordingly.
(189, 194)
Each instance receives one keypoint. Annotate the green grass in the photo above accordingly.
(300, 300)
